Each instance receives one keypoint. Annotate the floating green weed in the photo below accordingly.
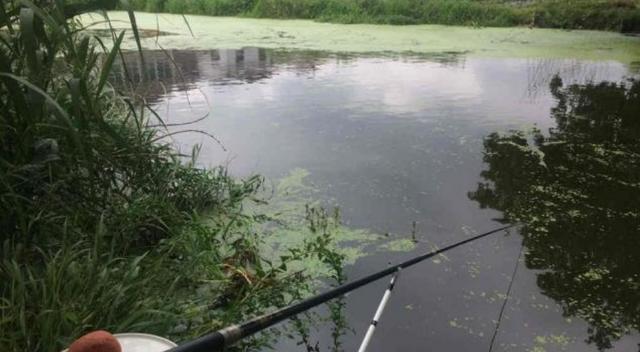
(224, 32)
(293, 194)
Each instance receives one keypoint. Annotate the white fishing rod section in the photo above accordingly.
(379, 311)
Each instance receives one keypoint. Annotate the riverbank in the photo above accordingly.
(613, 15)
(105, 225)
(205, 32)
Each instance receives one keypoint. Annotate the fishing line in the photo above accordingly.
(506, 299)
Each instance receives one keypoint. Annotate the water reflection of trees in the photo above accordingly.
(577, 189)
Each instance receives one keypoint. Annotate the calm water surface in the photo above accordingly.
(398, 138)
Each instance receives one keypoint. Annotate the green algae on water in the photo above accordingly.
(399, 245)
(231, 32)
(288, 200)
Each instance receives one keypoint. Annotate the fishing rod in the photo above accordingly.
(218, 340)
(378, 315)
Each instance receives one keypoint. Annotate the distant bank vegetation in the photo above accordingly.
(617, 15)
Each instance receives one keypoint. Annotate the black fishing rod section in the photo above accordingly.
(220, 339)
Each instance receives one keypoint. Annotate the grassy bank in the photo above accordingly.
(616, 15)
(104, 225)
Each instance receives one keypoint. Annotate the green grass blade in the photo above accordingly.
(188, 25)
(50, 21)
(108, 64)
(136, 35)
(17, 98)
(61, 113)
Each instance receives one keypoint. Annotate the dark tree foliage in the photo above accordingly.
(80, 7)
(577, 190)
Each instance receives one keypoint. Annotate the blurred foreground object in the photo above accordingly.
(102, 341)
(97, 341)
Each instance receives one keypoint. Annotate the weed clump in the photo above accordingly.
(104, 225)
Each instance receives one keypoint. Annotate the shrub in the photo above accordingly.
(622, 15)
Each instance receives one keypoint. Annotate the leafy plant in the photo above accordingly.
(104, 224)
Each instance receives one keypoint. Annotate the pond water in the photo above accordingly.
(394, 139)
